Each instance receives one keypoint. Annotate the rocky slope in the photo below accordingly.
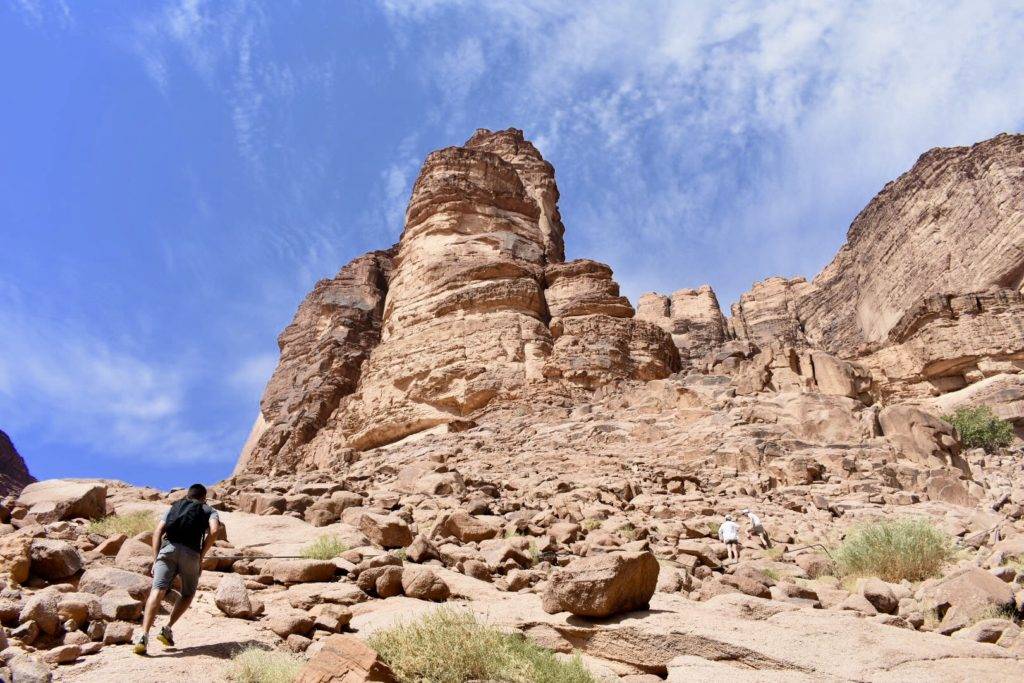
(14, 474)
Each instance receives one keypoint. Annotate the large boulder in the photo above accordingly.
(466, 527)
(56, 499)
(287, 621)
(232, 598)
(422, 583)
(136, 554)
(299, 570)
(603, 585)
(53, 559)
(42, 608)
(118, 605)
(26, 668)
(964, 596)
(345, 659)
(102, 580)
(79, 607)
(385, 531)
(921, 437)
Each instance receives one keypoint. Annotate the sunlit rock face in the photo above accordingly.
(476, 310)
(474, 304)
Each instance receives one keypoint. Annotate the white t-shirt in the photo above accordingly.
(729, 531)
(754, 519)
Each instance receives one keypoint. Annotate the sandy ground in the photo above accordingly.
(205, 644)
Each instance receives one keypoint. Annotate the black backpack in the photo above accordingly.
(187, 523)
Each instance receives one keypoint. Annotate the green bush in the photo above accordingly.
(909, 549)
(324, 548)
(447, 646)
(256, 665)
(129, 524)
(980, 428)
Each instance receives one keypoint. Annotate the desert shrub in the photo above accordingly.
(129, 524)
(980, 428)
(591, 524)
(448, 646)
(256, 665)
(909, 549)
(324, 548)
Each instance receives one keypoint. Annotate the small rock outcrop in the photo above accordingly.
(14, 475)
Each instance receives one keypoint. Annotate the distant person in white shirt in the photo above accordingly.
(729, 534)
(757, 529)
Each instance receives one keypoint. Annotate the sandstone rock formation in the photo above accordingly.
(322, 352)
(926, 292)
(14, 474)
(692, 316)
(474, 305)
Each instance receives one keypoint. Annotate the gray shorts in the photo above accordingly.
(177, 560)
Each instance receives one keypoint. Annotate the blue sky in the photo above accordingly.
(174, 177)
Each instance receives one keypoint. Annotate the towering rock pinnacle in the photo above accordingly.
(475, 303)
(14, 474)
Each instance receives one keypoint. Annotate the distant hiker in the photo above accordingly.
(180, 543)
(757, 529)
(729, 533)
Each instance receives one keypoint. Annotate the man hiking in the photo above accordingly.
(180, 543)
(729, 534)
(757, 529)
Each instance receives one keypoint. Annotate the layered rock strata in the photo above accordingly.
(475, 307)
(322, 352)
(952, 225)
(474, 304)
(692, 316)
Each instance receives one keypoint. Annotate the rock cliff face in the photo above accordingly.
(475, 308)
(14, 474)
(952, 225)
(473, 305)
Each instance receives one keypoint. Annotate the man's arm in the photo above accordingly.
(211, 537)
(157, 537)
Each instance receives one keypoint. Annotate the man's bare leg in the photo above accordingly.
(180, 606)
(152, 606)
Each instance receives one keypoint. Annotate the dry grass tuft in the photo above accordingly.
(256, 665)
(909, 549)
(324, 548)
(130, 524)
(447, 646)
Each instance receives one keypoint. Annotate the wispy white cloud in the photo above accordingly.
(72, 385)
(44, 13)
(251, 375)
(763, 125)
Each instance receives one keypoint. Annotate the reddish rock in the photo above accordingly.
(299, 571)
(385, 531)
(345, 659)
(603, 585)
(422, 583)
(56, 499)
